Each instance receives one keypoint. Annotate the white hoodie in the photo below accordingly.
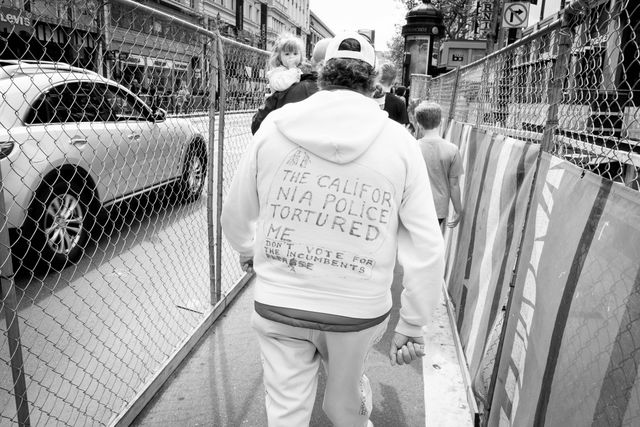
(326, 195)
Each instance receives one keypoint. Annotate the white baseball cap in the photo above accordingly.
(364, 53)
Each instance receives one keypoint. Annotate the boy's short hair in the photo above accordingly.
(428, 114)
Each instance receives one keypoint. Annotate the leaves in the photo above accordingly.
(395, 48)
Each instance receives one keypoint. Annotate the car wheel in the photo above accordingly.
(194, 175)
(61, 222)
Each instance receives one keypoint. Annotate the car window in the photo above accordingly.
(124, 105)
(66, 103)
(85, 102)
(96, 101)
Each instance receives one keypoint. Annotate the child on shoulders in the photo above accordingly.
(286, 57)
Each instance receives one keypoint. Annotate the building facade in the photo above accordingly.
(318, 30)
(258, 23)
(159, 51)
(155, 50)
(52, 31)
(69, 30)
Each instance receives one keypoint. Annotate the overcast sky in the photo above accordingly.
(382, 15)
(379, 15)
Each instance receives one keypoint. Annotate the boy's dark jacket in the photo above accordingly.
(307, 86)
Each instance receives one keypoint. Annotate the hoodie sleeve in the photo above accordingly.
(241, 207)
(420, 249)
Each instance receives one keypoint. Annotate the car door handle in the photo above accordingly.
(134, 136)
(79, 142)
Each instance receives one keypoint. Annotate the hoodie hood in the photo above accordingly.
(337, 125)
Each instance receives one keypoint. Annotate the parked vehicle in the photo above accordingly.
(73, 143)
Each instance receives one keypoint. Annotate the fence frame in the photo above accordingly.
(559, 71)
(10, 305)
(218, 302)
(550, 131)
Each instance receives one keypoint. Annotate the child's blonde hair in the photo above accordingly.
(286, 42)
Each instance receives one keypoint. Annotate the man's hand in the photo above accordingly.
(455, 219)
(405, 349)
(246, 262)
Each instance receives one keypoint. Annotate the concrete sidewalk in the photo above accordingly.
(220, 382)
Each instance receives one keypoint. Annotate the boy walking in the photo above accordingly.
(444, 163)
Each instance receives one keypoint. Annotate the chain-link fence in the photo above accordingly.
(572, 86)
(112, 120)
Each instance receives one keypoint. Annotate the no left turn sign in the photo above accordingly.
(515, 15)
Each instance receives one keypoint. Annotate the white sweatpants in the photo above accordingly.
(291, 358)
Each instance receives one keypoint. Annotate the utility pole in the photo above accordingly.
(494, 30)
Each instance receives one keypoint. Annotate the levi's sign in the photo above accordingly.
(20, 19)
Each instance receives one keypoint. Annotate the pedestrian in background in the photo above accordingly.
(286, 56)
(182, 98)
(328, 194)
(394, 105)
(401, 91)
(443, 161)
(307, 86)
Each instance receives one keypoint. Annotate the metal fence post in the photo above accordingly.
(212, 58)
(221, 117)
(454, 94)
(504, 90)
(560, 70)
(480, 98)
(9, 303)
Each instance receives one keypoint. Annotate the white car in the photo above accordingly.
(72, 143)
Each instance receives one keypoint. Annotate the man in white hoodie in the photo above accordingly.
(329, 193)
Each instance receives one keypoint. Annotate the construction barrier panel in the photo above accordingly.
(481, 252)
(549, 252)
(570, 354)
(543, 268)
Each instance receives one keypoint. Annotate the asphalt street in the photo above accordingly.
(93, 334)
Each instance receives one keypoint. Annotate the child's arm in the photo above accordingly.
(456, 200)
(282, 78)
